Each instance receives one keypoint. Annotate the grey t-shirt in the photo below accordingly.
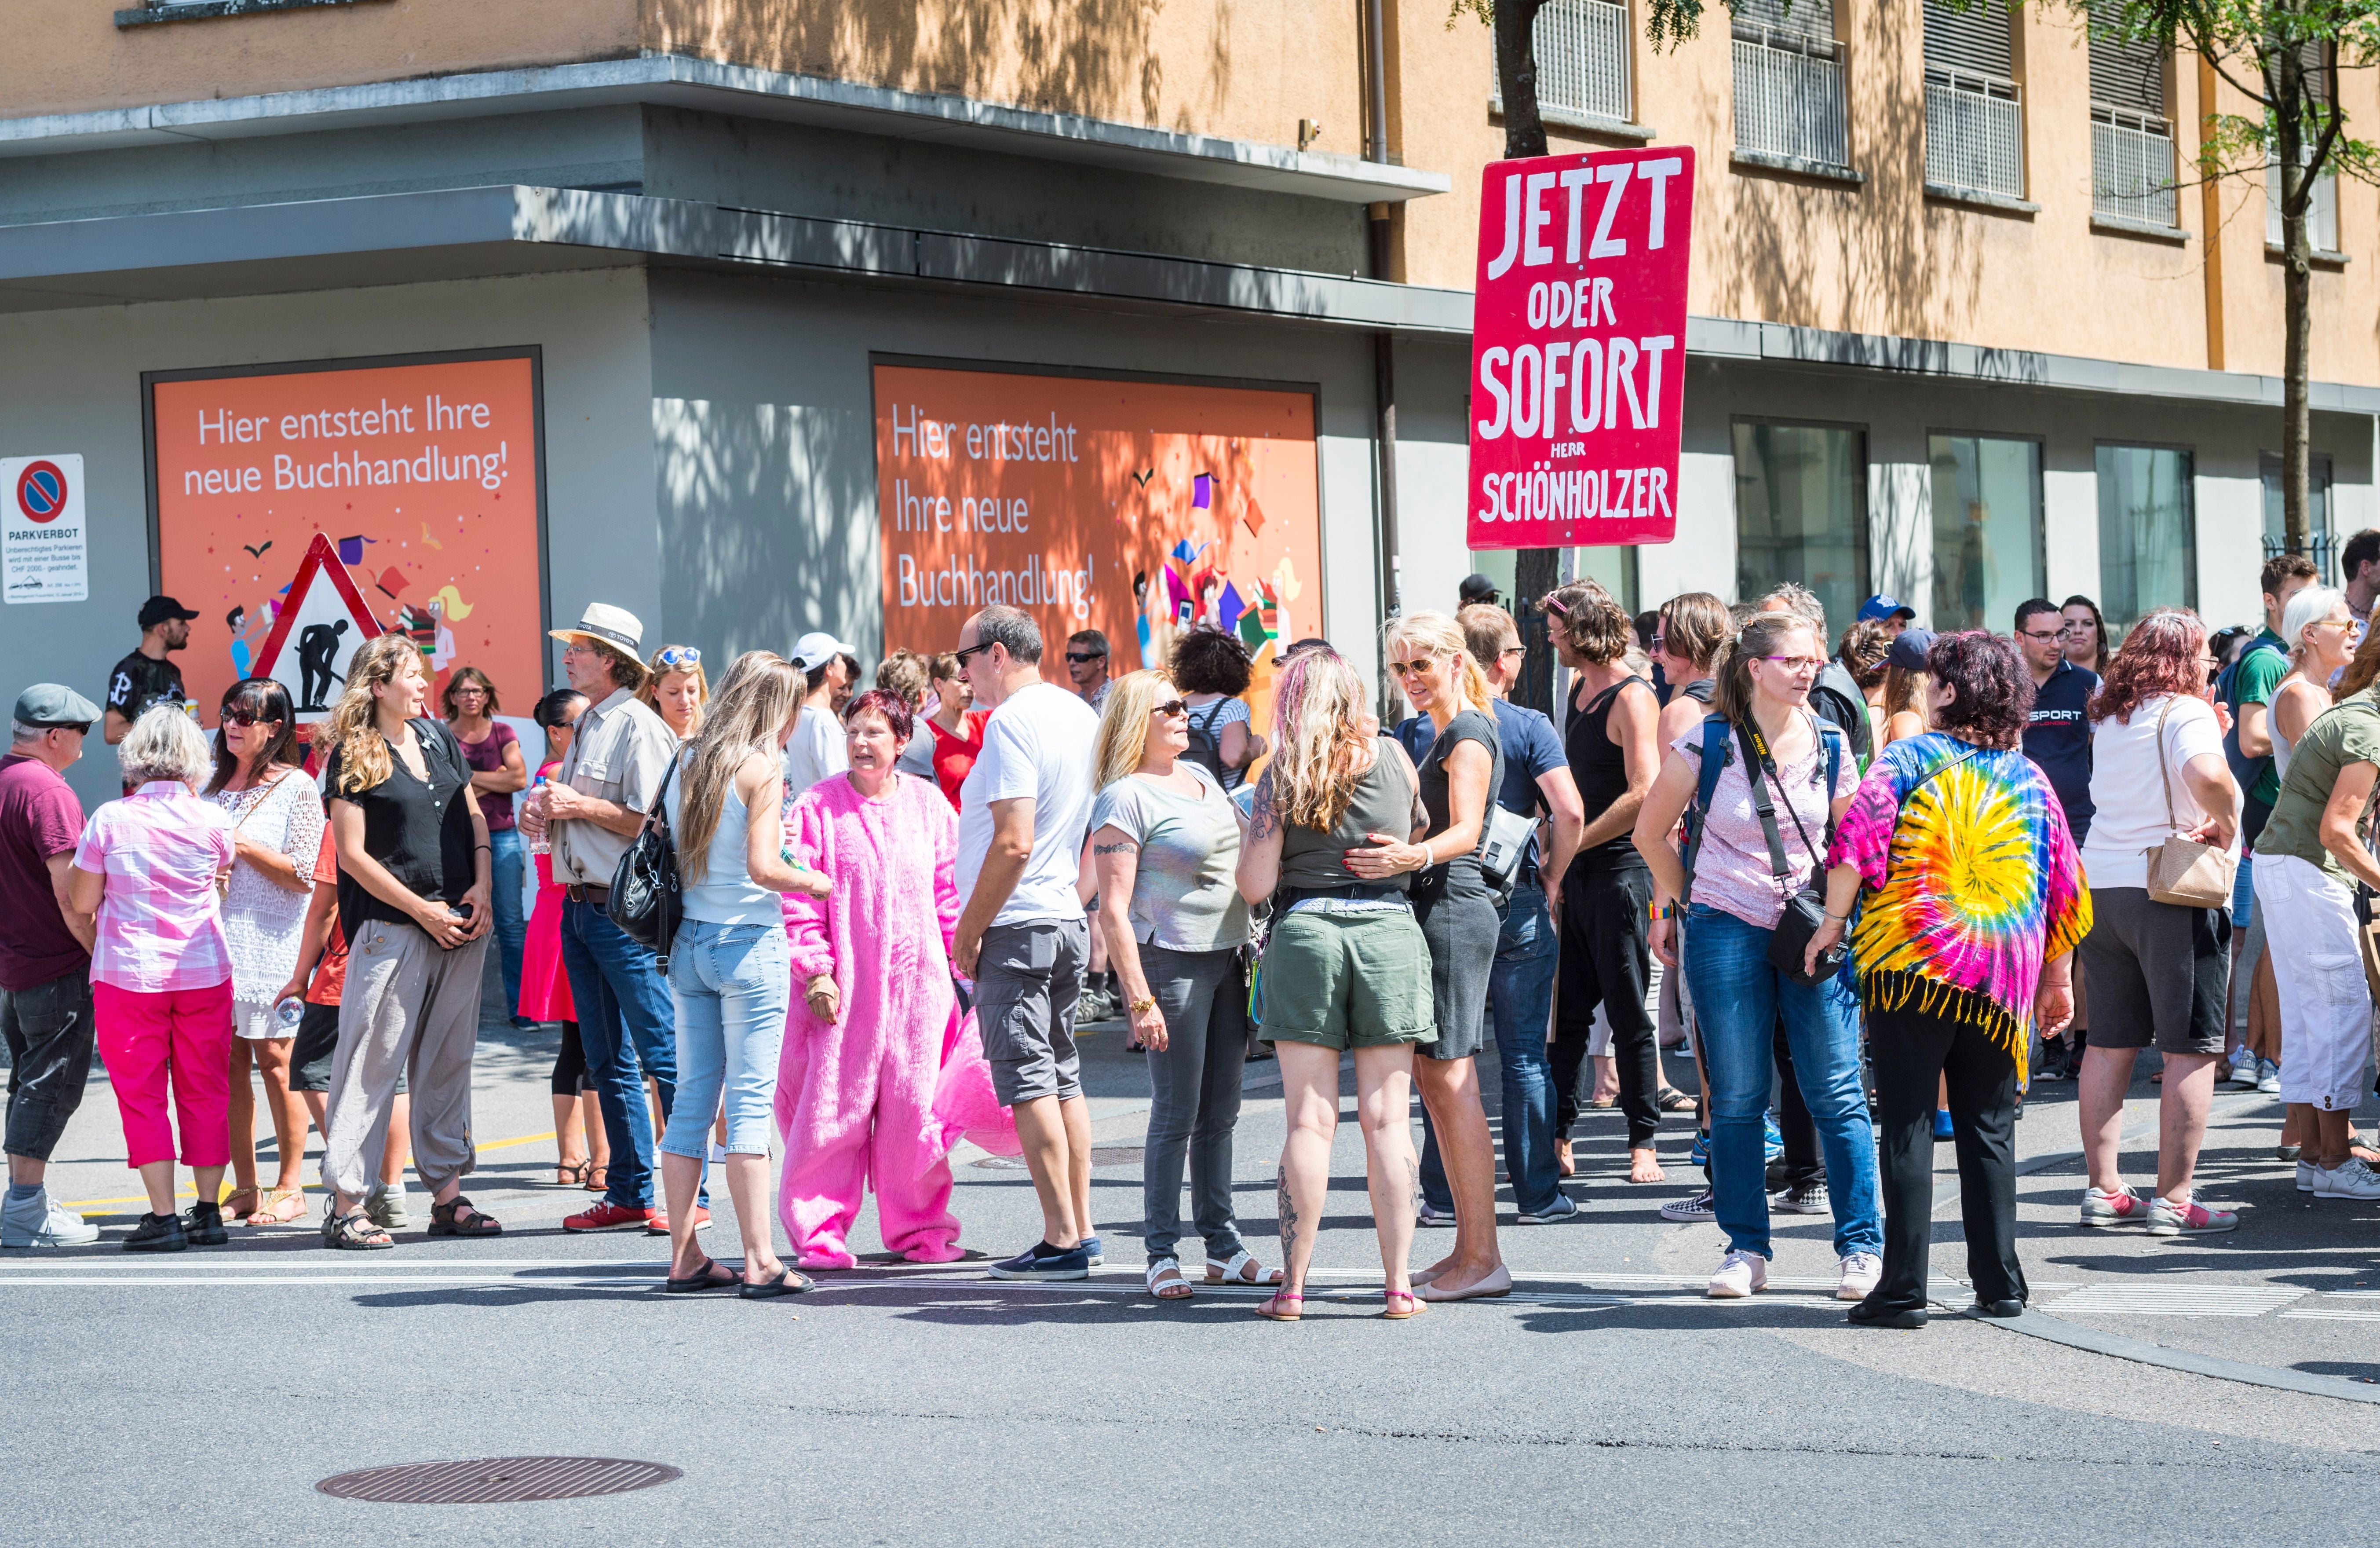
(1185, 896)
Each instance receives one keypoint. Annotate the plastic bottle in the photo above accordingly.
(544, 843)
(287, 1014)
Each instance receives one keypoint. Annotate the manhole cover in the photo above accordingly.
(496, 1480)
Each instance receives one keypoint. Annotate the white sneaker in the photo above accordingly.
(2307, 1173)
(2268, 1076)
(1740, 1275)
(2243, 1073)
(39, 1223)
(1861, 1273)
(2349, 1179)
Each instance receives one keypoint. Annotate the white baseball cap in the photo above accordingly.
(814, 649)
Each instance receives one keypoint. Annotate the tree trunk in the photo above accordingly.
(1532, 576)
(2297, 287)
(1516, 77)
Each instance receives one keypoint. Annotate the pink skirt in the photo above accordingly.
(545, 988)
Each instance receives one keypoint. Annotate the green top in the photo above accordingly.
(2347, 733)
(2260, 673)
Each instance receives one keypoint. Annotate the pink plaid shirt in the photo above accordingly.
(160, 848)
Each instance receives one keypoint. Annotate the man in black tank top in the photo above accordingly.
(1610, 741)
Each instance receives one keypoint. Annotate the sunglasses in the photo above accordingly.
(1171, 708)
(246, 717)
(1408, 668)
(960, 656)
(675, 656)
(1078, 660)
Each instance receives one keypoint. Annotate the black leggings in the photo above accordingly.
(1913, 1051)
(570, 1062)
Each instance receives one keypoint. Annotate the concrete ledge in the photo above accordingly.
(2117, 225)
(145, 15)
(708, 85)
(2321, 258)
(1817, 171)
(1587, 123)
(1981, 199)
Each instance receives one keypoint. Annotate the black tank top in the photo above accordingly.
(1601, 772)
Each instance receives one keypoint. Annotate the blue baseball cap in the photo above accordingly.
(1882, 606)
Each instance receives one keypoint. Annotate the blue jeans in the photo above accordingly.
(626, 1024)
(1520, 1000)
(731, 983)
(1739, 998)
(512, 926)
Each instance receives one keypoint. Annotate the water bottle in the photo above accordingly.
(544, 843)
(287, 1014)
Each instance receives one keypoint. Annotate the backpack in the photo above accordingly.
(2245, 769)
(1719, 750)
(1206, 745)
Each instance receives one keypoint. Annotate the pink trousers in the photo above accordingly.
(831, 1155)
(145, 1036)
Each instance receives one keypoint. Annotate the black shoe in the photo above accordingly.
(2010, 1308)
(158, 1232)
(1867, 1314)
(202, 1225)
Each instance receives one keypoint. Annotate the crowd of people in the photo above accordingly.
(1872, 885)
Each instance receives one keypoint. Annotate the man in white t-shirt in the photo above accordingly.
(817, 749)
(1022, 936)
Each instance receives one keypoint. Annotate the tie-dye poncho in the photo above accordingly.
(1971, 879)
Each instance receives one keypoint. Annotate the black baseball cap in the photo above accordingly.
(1476, 588)
(156, 610)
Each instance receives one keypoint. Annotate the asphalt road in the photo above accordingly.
(200, 1397)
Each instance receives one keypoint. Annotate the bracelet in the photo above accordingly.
(481, 849)
(1146, 1001)
(1838, 919)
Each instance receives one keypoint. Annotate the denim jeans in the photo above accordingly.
(1737, 999)
(1520, 999)
(731, 983)
(626, 1024)
(1193, 1088)
(512, 926)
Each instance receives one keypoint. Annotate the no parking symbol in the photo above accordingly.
(44, 554)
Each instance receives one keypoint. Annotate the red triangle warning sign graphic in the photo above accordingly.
(324, 619)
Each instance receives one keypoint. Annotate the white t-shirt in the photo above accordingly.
(815, 750)
(1039, 743)
(2129, 795)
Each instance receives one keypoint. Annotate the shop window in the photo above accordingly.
(2148, 533)
(2319, 537)
(1801, 513)
(1988, 531)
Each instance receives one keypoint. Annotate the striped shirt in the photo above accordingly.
(159, 927)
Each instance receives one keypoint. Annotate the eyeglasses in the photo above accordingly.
(1511, 651)
(1171, 708)
(472, 689)
(1798, 664)
(246, 717)
(1409, 668)
(1079, 659)
(2046, 637)
(1661, 642)
(672, 657)
(960, 656)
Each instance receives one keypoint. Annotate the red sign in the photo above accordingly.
(41, 491)
(319, 627)
(1578, 349)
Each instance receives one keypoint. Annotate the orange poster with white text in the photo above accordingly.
(423, 477)
(1135, 508)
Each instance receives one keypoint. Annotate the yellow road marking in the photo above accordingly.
(228, 1191)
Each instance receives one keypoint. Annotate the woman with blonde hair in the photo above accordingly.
(1164, 859)
(676, 691)
(414, 877)
(1907, 705)
(1346, 965)
(1457, 913)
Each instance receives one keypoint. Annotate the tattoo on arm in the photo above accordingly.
(1127, 848)
(1288, 1214)
(1263, 822)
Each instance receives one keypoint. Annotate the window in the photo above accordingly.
(2318, 535)
(2321, 209)
(1974, 120)
(2148, 533)
(1789, 82)
(1987, 535)
(1614, 566)
(1801, 513)
(1582, 51)
(2131, 140)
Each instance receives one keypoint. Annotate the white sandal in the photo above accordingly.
(1243, 1268)
(1159, 1283)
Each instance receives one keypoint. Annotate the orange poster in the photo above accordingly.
(421, 474)
(1135, 508)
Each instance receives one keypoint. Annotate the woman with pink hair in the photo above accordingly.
(879, 1078)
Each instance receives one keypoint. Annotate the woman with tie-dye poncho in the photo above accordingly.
(1971, 902)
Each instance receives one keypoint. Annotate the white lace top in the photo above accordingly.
(262, 922)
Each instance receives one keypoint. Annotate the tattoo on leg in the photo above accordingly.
(1288, 1214)
(1413, 1183)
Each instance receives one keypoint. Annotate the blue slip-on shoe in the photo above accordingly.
(1042, 1261)
(1941, 1126)
(1091, 1246)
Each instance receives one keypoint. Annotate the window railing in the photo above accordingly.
(2132, 166)
(1974, 131)
(1582, 59)
(1788, 96)
(2321, 209)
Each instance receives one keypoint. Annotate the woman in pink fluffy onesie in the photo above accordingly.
(879, 1076)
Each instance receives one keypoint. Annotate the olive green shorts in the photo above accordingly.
(1347, 980)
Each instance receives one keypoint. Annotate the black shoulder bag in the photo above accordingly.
(1806, 909)
(646, 901)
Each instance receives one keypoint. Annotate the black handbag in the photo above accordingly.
(646, 902)
(1806, 909)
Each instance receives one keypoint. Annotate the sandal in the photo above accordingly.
(597, 1178)
(708, 1277)
(253, 1196)
(1602, 1103)
(572, 1174)
(1414, 1305)
(785, 1281)
(354, 1233)
(282, 1205)
(1270, 1308)
(1241, 1268)
(446, 1220)
(1165, 1281)
(1672, 1100)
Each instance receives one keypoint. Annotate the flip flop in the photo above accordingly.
(707, 1279)
(785, 1282)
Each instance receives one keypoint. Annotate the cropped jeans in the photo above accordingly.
(733, 984)
(1739, 998)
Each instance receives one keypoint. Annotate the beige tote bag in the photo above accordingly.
(2182, 870)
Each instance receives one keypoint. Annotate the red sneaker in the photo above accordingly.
(608, 1216)
(658, 1224)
